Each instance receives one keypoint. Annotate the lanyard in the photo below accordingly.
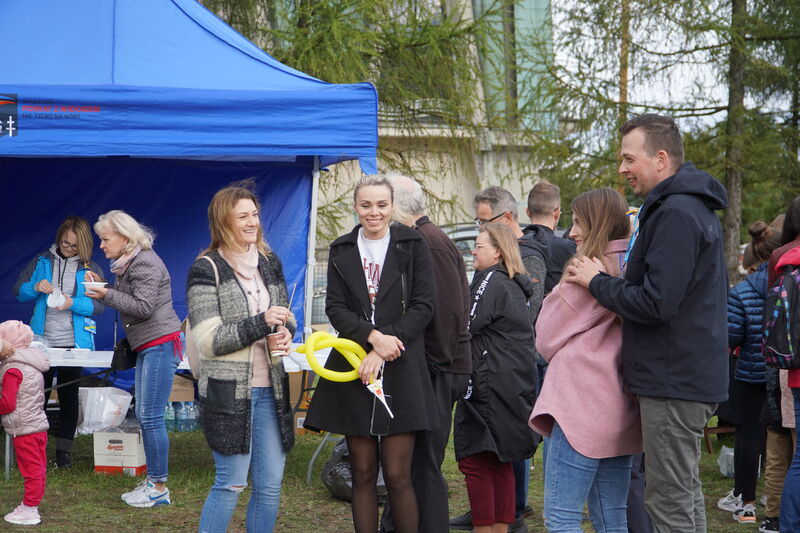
(634, 235)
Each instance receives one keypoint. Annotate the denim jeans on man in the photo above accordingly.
(265, 463)
(790, 499)
(572, 479)
(674, 494)
(155, 370)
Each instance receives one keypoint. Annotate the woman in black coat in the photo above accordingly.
(380, 294)
(491, 421)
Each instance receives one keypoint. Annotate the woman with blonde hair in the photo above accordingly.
(380, 295)
(60, 270)
(142, 294)
(237, 297)
(490, 421)
(593, 424)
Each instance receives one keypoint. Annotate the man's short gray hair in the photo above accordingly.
(499, 200)
(408, 194)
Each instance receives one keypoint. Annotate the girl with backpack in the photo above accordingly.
(592, 422)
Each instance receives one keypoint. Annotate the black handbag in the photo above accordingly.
(124, 356)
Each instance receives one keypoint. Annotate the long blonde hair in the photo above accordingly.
(220, 212)
(503, 238)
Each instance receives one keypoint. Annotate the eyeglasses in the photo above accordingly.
(481, 222)
(68, 246)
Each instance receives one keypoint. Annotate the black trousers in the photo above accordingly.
(748, 398)
(67, 403)
(430, 486)
(638, 519)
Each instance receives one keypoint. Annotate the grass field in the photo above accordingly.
(78, 500)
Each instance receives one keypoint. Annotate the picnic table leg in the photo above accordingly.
(325, 438)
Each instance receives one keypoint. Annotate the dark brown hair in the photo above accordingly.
(763, 240)
(544, 198)
(660, 133)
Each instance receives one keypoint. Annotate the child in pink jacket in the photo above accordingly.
(592, 422)
(22, 415)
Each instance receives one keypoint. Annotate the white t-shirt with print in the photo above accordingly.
(373, 255)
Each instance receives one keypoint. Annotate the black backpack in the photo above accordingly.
(780, 341)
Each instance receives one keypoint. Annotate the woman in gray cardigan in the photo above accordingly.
(237, 297)
(142, 294)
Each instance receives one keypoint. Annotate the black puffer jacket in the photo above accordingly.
(673, 298)
(493, 416)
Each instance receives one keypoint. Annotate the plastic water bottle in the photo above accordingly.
(181, 417)
(192, 419)
(169, 417)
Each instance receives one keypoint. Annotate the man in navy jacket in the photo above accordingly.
(673, 302)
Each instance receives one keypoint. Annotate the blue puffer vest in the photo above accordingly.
(745, 305)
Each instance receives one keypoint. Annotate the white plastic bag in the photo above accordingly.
(101, 407)
(725, 461)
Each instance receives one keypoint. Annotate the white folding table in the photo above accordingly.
(294, 362)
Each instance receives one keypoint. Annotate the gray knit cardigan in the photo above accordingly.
(225, 332)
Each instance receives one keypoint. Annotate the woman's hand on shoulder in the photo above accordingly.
(369, 367)
(43, 286)
(387, 347)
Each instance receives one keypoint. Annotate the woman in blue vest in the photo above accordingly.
(60, 270)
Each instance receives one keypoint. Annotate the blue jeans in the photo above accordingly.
(265, 462)
(571, 479)
(155, 370)
(790, 499)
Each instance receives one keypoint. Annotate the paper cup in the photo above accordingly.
(273, 340)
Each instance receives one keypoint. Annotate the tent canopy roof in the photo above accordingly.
(166, 78)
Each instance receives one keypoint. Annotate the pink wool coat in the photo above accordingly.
(583, 389)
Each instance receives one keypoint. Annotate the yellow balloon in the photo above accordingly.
(351, 350)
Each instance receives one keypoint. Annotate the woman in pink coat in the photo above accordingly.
(592, 422)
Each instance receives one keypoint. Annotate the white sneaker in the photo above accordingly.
(139, 488)
(23, 515)
(730, 502)
(149, 497)
(746, 514)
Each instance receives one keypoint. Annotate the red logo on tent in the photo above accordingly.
(9, 125)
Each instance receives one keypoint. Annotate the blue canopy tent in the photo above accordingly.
(150, 106)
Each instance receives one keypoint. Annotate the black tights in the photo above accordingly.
(395, 457)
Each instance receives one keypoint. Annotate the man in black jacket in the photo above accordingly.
(673, 302)
(447, 351)
(544, 211)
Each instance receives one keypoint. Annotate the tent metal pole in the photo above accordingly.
(311, 259)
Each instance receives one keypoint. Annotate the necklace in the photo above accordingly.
(250, 292)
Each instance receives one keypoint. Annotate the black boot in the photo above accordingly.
(63, 459)
(463, 521)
